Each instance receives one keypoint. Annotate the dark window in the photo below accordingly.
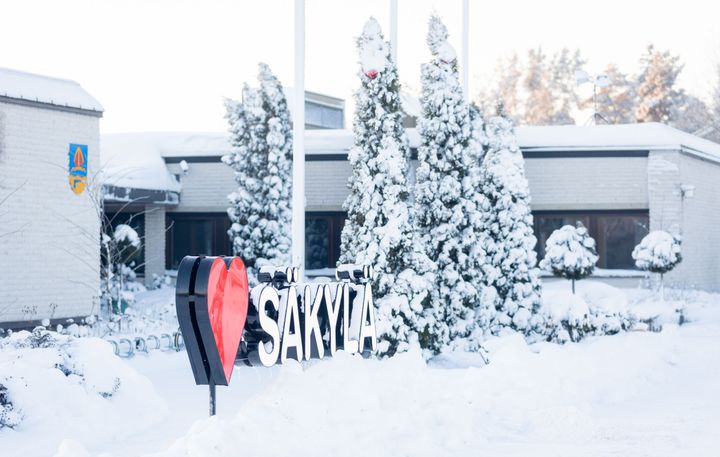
(196, 234)
(616, 233)
(320, 116)
(322, 238)
(137, 222)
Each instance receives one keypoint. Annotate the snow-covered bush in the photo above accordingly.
(597, 309)
(445, 211)
(570, 253)
(378, 230)
(10, 417)
(262, 162)
(56, 386)
(120, 247)
(509, 273)
(658, 252)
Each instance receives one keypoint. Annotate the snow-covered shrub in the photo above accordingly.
(597, 309)
(10, 417)
(570, 253)
(445, 211)
(509, 274)
(378, 230)
(120, 248)
(658, 252)
(260, 209)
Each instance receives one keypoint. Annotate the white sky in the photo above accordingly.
(167, 64)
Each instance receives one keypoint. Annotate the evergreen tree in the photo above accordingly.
(262, 161)
(445, 200)
(249, 163)
(277, 182)
(570, 253)
(378, 230)
(511, 292)
(656, 86)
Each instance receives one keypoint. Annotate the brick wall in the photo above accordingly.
(592, 183)
(700, 225)
(49, 251)
(155, 232)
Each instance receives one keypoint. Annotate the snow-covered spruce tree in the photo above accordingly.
(570, 253)
(278, 180)
(658, 252)
(446, 201)
(511, 283)
(248, 131)
(378, 229)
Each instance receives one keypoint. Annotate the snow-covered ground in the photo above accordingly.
(634, 393)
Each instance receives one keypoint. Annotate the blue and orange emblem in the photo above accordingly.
(77, 167)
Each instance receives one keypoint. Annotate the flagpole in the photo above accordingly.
(298, 175)
(465, 64)
(394, 30)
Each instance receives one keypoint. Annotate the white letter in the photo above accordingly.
(292, 319)
(267, 324)
(349, 345)
(342, 293)
(367, 321)
(314, 347)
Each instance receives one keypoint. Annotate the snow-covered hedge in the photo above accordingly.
(597, 309)
(658, 252)
(570, 253)
(49, 380)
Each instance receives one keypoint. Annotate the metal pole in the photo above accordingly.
(298, 183)
(212, 399)
(465, 64)
(394, 30)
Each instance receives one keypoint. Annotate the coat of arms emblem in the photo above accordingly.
(77, 167)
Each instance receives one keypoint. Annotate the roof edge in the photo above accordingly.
(50, 106)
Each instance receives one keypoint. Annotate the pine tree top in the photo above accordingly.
(437, 41)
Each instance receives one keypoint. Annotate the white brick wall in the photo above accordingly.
(700, 225)
(49, 254)
(155, 232)
(592, 183)
(206, 186)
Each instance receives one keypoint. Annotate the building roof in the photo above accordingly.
(137, 160)
(649, 136)
(134, 161)
(19, 86)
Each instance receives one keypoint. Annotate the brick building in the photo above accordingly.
(621, 181)
(49, 226)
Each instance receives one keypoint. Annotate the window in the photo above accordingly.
(320, 116)
(196, 234)
(137, 222)
(616, 233)
(322, 239)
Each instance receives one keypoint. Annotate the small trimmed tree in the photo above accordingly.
(659, 252)
(570, 253)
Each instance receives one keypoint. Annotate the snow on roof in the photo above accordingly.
(44, 89)
(136, 160)
(645, 136)
(132, 160)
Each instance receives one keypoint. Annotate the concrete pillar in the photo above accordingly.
(155, 232)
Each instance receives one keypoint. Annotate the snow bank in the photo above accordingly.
(635, 393)
(77, 389)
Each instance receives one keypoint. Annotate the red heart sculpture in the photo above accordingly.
(211, 297)
(227, 301)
